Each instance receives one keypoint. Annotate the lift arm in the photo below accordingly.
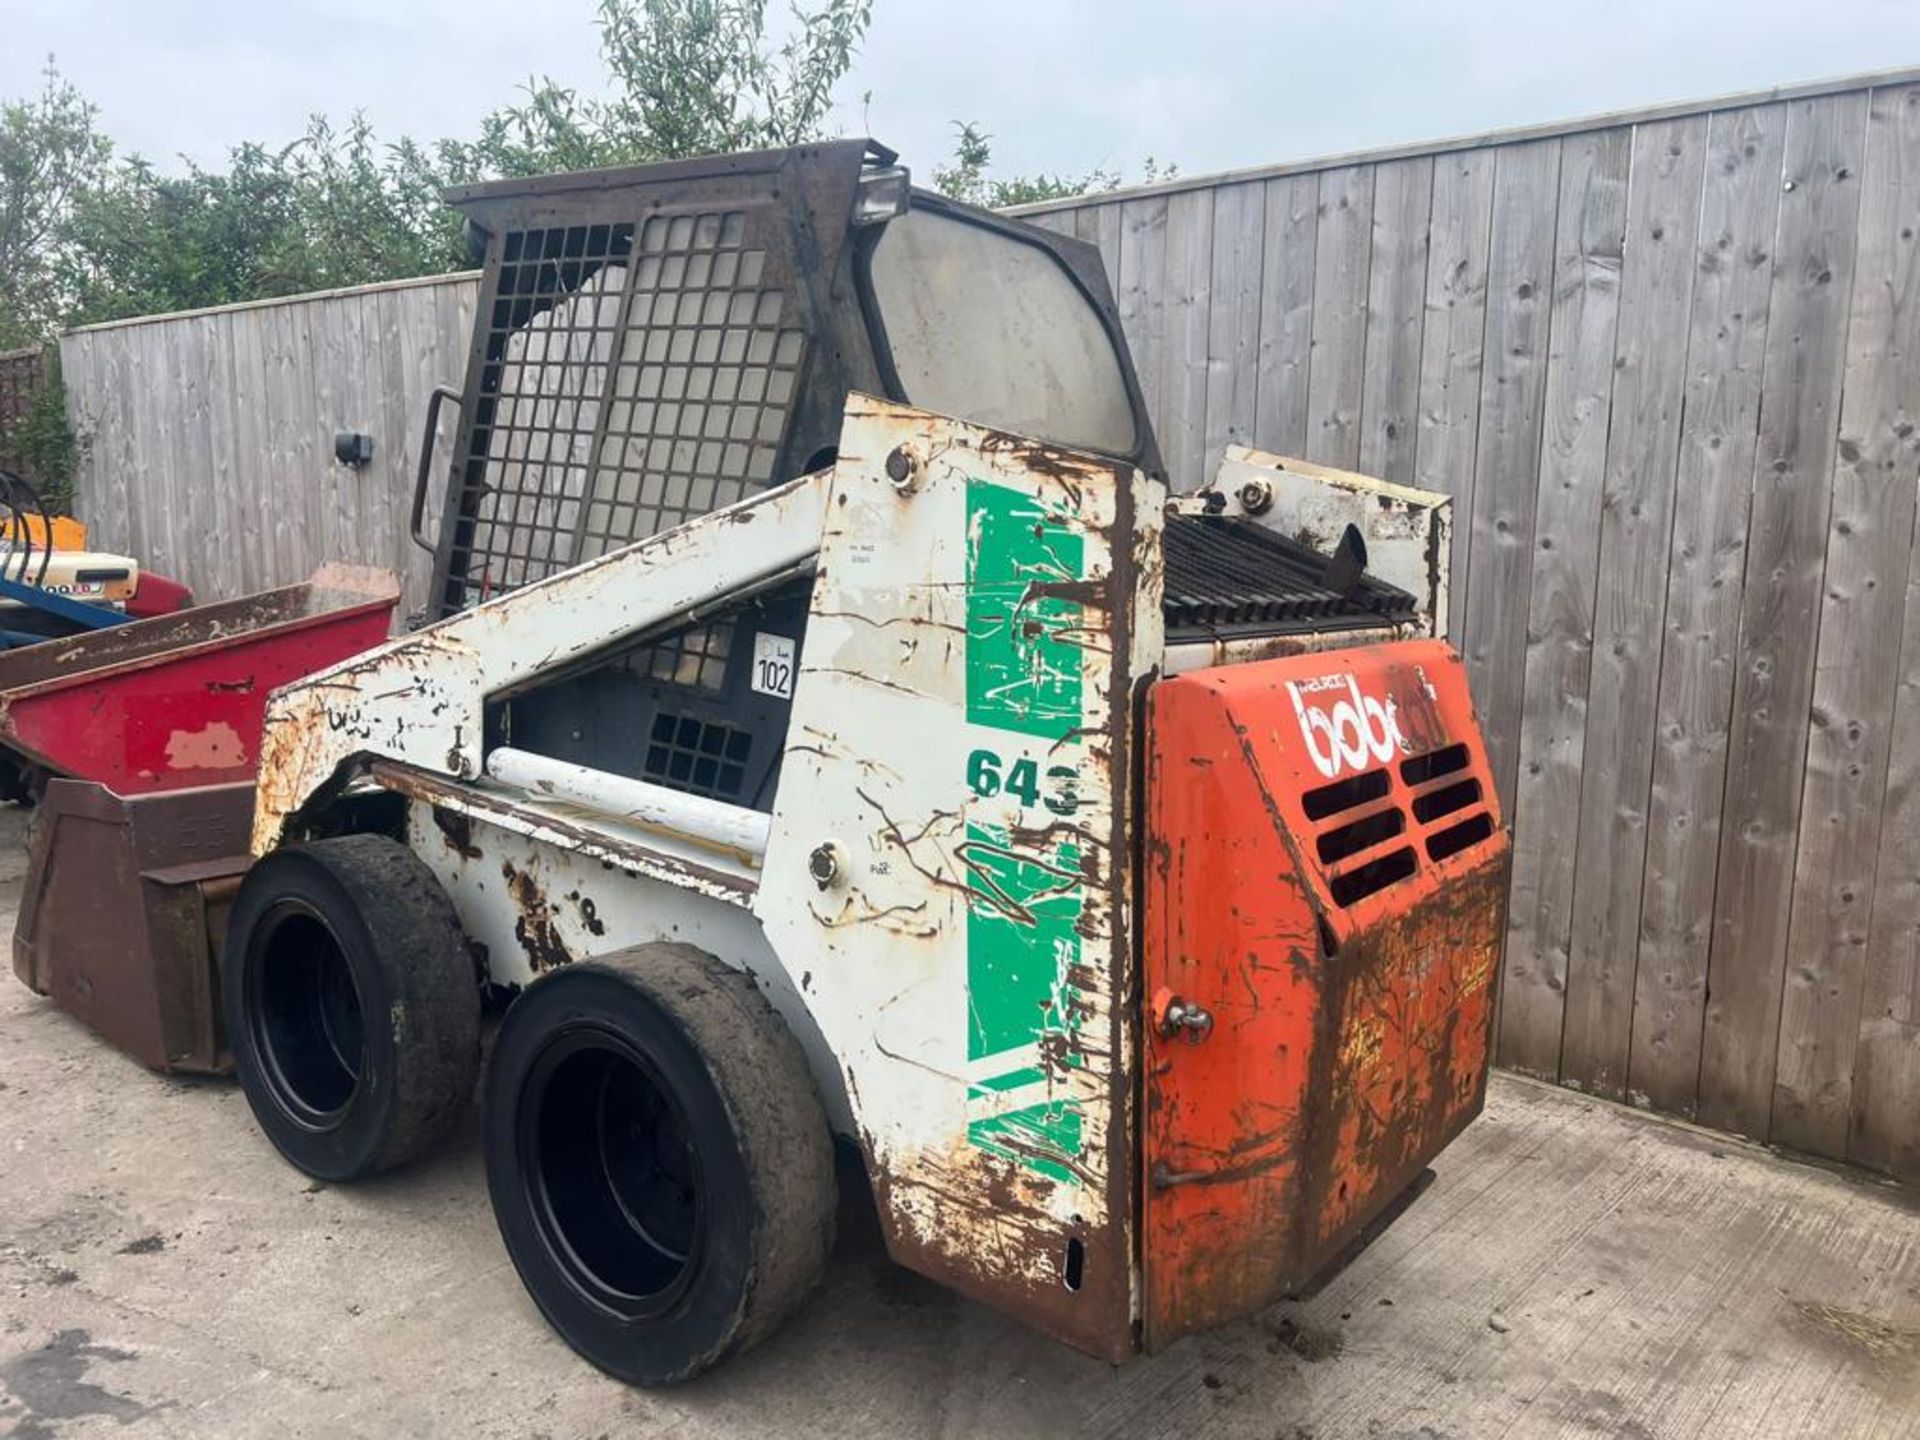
(420, 700)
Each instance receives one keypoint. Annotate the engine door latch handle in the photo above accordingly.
(1182, 1018)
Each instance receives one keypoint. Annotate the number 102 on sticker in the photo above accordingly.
(773, 665)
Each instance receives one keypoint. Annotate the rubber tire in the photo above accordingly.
(418, 997)
(758, 1129)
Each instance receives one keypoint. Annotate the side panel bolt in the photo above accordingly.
(824, 864)
(903, 469)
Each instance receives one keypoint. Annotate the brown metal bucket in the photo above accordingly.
(124, 911)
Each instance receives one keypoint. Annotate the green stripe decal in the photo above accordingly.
(1023, 659)
(1012, 1080)
(1020, 939)
(1024, 678)
(1033, 1137)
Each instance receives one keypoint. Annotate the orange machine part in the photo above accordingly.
(1325, 902)
(68, 533)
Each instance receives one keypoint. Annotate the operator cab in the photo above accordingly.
(661, 342)
(664, 341)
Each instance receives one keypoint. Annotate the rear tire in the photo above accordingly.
(659, 1160)
(350, 1004)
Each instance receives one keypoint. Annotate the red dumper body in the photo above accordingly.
(142, 743)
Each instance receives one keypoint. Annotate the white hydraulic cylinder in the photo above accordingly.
(713, 822)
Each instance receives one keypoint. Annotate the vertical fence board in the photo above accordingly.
(187, 353)
(1233, 333)
(1450, 348)
(1884, 1128)
(84, 398)
(457, 308)
(1780, 601)
(330, 341)
(1396, 313)
(95, 411)
(1636, 529)
(1881, 426)
(283, 400)
(1182, 418)
(1100, 225)
(229, 503)
(139, 441)
(109, 437)
(383, 479)
(136, 436)
(1507, 458)
(159, 402)
(1726, 344)
(1559, 610)
(1141, 301)
(389, 478)
(408, 361)
(1869, 542)
(1286, 314)
(1884, 1103)
(257, 485)
(1342, 252)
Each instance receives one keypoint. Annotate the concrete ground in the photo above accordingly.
(1576, 1269)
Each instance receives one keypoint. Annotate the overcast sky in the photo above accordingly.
(1061, 84)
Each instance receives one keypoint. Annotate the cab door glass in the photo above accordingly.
(986, 327)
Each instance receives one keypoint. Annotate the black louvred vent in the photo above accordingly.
(1465, 835)
(1363, 834)
(1348, 794)
(1433, 804)
(702, 757)
(1433, 764)
(1372, 877)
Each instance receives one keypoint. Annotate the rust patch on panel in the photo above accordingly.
(456, 829)
(533, 922)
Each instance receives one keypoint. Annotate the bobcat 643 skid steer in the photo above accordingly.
(829, 725)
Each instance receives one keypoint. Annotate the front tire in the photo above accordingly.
(350, 1004)
(659, 1160)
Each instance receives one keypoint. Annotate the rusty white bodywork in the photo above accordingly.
(942, 901)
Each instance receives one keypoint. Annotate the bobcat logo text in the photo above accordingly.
(1344, 729)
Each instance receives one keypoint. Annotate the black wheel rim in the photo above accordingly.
(304, 1016)
(612, 1174)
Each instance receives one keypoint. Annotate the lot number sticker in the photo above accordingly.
(773, 665)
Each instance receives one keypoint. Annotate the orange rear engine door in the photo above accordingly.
(1325, 892)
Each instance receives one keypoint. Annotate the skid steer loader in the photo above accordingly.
(829, 725)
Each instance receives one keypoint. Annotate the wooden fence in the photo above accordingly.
(209, 435)
(1668, 365)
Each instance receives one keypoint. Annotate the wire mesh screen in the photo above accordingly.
(631, 383)
(695, 658)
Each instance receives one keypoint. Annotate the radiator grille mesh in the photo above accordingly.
(1226, 574)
